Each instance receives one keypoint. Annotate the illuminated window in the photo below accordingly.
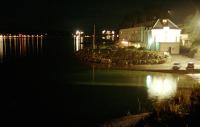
(164, 21)
(108, 32)
(104, 31)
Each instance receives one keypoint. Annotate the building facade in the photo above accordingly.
(163, 35)
(133, 36)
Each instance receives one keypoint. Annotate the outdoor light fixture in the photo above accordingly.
(124, 42)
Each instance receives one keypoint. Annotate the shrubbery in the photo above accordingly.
(121, 56)
(175, 112)
(190, 52)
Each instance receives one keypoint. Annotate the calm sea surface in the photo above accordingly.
(43, 83)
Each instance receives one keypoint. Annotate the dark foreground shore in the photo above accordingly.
(126, 121)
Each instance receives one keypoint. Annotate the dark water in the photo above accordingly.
(42, 84)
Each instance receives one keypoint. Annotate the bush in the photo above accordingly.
(190, 52)
(184, 50)
(131, 56)
(141, 48)
(176, 112)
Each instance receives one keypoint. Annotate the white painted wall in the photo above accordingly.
(175, 47)
(166, 35)
(154, 39)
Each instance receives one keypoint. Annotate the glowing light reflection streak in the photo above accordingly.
(1, 49)
(161, 87)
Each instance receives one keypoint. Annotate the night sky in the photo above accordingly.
(67, 15)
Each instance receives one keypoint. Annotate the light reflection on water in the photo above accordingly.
(161, 86)
(195, 76)
(78, 40)
(1, 49)
(11, 46)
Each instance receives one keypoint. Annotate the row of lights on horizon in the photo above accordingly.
(19, 35)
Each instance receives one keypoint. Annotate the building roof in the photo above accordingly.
(156, 24)
(160, 23)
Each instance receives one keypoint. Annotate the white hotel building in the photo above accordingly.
(162, 35)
